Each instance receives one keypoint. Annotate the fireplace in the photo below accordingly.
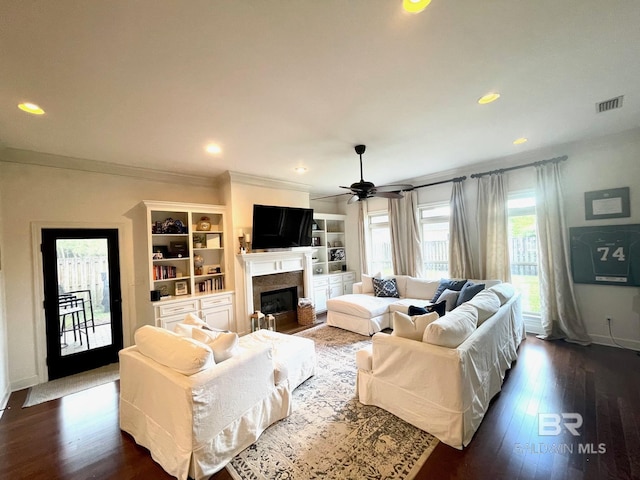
(282, 304)
(278, 294)
(273, 271)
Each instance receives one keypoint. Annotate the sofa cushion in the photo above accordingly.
(468, 291)
(223, 344)
(455, 285)
(182, 354)
(402, 304)
(452, 329)
(421, 288)
(412, 327)
(487, 303)
(360, 305)
(449, 296)
(367, 284)
(439, 308)
(504, 291)
(385, 287)
(401, 282)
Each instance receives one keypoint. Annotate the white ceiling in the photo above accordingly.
(278, 83)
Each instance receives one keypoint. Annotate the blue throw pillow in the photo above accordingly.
(445, 284)
(469, 290)
(385, 287)
(439, 308)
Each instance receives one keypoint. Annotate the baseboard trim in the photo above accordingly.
(5, 401)
(624, 342)
(25, 383)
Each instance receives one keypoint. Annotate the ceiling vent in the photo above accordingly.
(610, 104)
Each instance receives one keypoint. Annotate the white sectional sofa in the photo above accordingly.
(443, 381)
(196, 405)
(364, 313)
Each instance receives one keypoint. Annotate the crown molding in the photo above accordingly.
(256, 181)
(29, 157)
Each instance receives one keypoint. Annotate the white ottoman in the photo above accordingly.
(294, 358)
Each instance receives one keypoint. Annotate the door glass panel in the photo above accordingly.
(83, 294)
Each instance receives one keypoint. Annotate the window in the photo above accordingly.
(434, 224)
(379, 256)
(523, 250)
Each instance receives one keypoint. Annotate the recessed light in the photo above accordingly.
(415, 6)
(300, 169)
(31, 108)
(213, 149)
(488, 98)
(520, 141)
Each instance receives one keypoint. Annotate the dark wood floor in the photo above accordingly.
(77, 437)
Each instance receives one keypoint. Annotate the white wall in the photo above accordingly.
(241, 193)
(607, 162)
(32, 194)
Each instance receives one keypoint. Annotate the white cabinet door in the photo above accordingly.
(320, 293)
(335, 290)
(220, 317)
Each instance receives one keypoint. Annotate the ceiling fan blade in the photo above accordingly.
(394, 188)
(387, 194)
(332, 196)
(353, 199)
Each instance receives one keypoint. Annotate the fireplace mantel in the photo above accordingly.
(267, 263)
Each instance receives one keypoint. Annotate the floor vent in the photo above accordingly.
(610, 104)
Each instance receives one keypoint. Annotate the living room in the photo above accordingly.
(40, 188)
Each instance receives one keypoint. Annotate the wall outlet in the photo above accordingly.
(608, 320)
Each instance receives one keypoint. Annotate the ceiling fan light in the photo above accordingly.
(415, 6)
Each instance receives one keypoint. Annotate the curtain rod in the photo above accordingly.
(456, 179)
(532, 164)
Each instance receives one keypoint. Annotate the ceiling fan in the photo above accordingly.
(362, 190)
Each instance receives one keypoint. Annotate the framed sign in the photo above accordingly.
(606, 255)
(181, 288)
(602, 204)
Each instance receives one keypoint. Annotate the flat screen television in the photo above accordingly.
(281, 227)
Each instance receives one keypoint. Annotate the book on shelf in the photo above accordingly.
(164, 272)
(210, 285)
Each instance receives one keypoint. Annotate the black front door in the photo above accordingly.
(82, 298)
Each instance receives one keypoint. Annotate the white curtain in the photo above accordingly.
(362, 236)
(460, 257)
(405, 235)
(493, 228)
(559, 310)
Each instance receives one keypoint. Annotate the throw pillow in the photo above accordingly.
(455, 285)
(411, 327)
(439, 308)
(383, 287)
(182, 354)
(223, 344)
(191, 319)
(449, 296)
(469, 290)
(367, 283)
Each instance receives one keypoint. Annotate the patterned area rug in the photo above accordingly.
(61, 387)
(330, 434)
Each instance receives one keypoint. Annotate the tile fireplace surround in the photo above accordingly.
(268, 263)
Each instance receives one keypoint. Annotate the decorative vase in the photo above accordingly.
(198, 262)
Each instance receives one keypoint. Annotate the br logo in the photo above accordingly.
(550, 424)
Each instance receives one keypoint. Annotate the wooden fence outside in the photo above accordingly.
(85, 273)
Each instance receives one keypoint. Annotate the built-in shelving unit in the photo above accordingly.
(188, 262)
(330, 275)
(329, 251)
